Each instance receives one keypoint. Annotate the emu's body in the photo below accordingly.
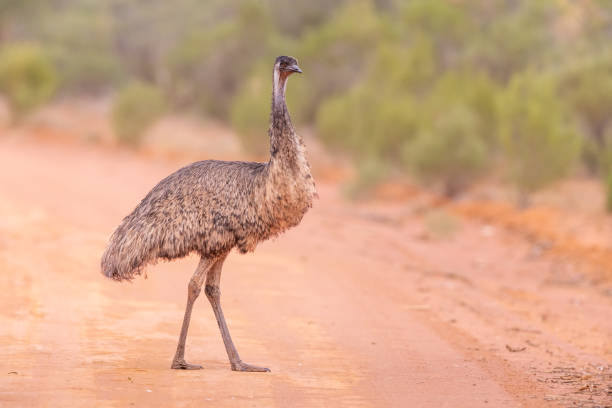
(211, 207)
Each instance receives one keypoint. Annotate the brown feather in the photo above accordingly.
(211, 206)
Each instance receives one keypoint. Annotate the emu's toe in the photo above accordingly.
(247, 367)
(182, 365)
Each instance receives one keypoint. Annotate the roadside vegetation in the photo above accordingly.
(28, 79)
(447, 93)
(137, 107)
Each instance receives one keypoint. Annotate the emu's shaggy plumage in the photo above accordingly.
(210, 207)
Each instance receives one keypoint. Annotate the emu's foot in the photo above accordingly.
(247, 367)
(182, 365)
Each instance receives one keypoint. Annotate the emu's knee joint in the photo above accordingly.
(212, 291)
(193, 289)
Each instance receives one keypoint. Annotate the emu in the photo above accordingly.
(211, 207)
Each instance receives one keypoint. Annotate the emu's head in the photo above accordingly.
(286, 66)
(283, 67)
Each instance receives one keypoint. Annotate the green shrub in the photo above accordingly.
(588, 89)
(451, 151)
(519, 35)
(368, 123)
(27, 77)
(609, 191)
(380, 118)
(333, 127)
(250, 111)
(605, 161)
(294, 17)
(592, 157)
(439, 17)
(136, 108)
(477, 92)
(79, 41)
(210, 66)
(379, 115)
(448, 25)
(539, 141)
(405, 69)
(336, 54)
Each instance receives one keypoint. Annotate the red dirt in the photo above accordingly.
(361, 305)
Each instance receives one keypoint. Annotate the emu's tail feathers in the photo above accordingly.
(125, 256)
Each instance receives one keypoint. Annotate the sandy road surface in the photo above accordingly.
(356, 307)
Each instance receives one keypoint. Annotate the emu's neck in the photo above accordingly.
(288, 173)
(284, 143)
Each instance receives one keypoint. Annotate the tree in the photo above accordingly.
(27, 77)
(250, 111)
(135, 110)
(79, 40)
(451, 151)
(517, 35)
(335, 55)
(588, 90)
(538, 138)
(208, 67)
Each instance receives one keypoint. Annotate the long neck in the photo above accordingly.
(289, 172)
(282, 135)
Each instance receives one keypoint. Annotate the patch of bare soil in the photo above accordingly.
(361, 305)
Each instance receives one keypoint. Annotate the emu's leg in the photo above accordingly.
(214, 296)
(193, 290)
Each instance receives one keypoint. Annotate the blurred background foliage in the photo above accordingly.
(137, 106)
(27, 77)
(445, 91)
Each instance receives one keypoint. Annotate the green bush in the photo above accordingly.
(605, 161)
(449, 26)
(609, 191)
(210, 66)
(588, 89)
(136, 108)
(538, 138)
(79, 41)
(250, 111)
(378, 116)
(27, 77)
(335, 55)
(519, 35)
(477, 92)
(372, 127)
(370, 172)
(292, 18)
(451, 151)
(437, 17)
(368, 122)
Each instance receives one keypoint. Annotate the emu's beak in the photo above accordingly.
(294, 68)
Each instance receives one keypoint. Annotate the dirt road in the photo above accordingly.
(358, 306)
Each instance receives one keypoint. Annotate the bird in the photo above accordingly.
(211, 207)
